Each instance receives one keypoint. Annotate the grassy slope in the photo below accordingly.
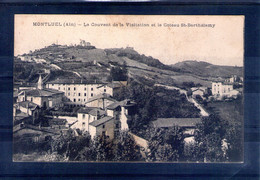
(230, 111)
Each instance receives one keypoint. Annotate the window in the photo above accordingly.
(104, 126)
(91, 94)
(74, 100)
(68, 94)
(84, 100)
(85, 89)
(74, 89)
(85, 94)
(105, 90)
(117, 125)
(52, 84)
(59, 88)
(83, 116)
(63, 88)
(68, 88)
(103, 133)
(79, 94)
(79, 100)
(31, 99)
(91, 89)
(83, 124)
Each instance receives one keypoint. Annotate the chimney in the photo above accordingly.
(98, 115)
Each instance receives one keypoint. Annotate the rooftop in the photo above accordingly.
(101, 96)
(124, 103)
(28, 104)
(103, 120)
(74, 81)
(42, 92)
(170, 122)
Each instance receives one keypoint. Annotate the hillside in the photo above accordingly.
(208, 70)
(90, 62)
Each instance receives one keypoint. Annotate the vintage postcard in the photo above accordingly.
(128, 88)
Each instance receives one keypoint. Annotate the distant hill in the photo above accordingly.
(205, 69)
(89, 62)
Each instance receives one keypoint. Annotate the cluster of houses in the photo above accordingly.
(220, 89)
(99, 113)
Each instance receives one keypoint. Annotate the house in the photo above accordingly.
(96, 122)
(221, 89)
(100, 101)
(79, 90)
(201, 91)
(87, 115)
(103, 126)
(112, 117)
(117, 85)
(29, 108)
(187, 124)
(123, 112)
(33, 133)
(43, 97)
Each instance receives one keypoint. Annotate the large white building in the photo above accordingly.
(79, 91)
(221, 89)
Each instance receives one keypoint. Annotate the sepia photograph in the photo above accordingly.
(128, 88)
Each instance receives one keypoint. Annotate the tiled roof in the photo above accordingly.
(124, 103)
(21, 115)
(28, 104)
(74, 81)
(94, 112)
(113, 105)
(84, 110)
(117, 84)
(101, 96)
(170, 122)
(42, 92)
(101, 121)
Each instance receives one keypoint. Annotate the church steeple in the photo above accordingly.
(40, 84)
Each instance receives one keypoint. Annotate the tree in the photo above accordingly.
(125, 148)
(103, 149)
(234, 138)
(209, 136)
(118, 73)
(164, 145)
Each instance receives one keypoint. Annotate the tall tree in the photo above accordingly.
(125, 149)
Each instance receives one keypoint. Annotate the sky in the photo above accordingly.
(166, 38)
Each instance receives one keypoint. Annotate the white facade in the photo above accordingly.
(220, 89)
(81, 93)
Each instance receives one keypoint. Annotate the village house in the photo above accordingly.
(105, 116)
(123, 112)
(29, 108)
(95, 121)
(79, 90)
(188, 126)
(199, 91)
(43, 97)
(100, 101)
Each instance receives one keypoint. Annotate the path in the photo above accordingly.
(190, 99)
